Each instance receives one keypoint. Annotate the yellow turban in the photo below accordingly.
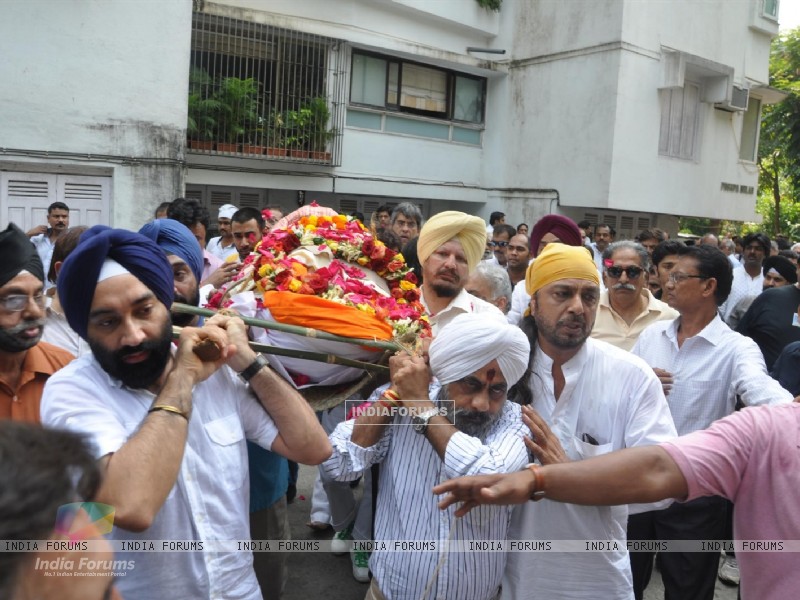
(448, 225)
(559, 261)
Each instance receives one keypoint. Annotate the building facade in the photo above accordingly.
(619, 111)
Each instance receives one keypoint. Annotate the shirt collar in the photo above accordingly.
(712, 332)
(464, 301)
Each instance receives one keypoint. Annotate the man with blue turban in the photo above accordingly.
(420, 436)
(186, 260)
(169, 428)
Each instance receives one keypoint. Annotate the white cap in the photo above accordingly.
(226, 211)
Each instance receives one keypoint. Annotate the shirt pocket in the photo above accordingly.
(229, 450)
(587, 450)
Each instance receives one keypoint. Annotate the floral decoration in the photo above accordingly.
(352, 248)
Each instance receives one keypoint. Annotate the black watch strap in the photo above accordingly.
(259, 363)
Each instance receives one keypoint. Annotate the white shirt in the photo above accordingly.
(464, 302)
(520, 300)
(210, 499)
(616, 399)
(44, 248)
(407, 510)
(709, 370)
(215, 247)
(58, 332)
(742, 287)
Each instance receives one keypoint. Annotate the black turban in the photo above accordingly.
(141, 256)
(782, 265)
(17, 254)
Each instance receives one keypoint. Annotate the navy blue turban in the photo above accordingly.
(175, 238)
(77, 279)
(18, 254)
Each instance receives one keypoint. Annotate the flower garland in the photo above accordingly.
(351, 246)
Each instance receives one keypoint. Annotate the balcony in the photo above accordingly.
(262, 92)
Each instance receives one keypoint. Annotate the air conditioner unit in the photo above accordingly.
(738, 100)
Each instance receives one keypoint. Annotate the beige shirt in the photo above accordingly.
(610, 327)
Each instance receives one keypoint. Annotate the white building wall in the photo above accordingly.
(573, 109)
(98, 84)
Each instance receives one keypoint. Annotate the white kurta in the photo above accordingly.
(616, 399)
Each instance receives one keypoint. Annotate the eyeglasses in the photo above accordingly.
(494, 244)
(677, 277)
(18, 302)
(632, 272)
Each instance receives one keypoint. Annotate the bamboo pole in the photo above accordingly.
(295, 329)
(330, 359)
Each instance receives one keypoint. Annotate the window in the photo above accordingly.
(680, 116)
(263, 91)
(769, 8)
(402, 86)
(750, 126)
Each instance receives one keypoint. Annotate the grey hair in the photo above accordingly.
(644, 257)
(497, 278)
(410, 210)
(728, 243)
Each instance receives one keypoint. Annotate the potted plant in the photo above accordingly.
(238, 111)
(318, 133)
(274, 139)
(201, 126)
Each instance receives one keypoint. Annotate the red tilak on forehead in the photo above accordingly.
(490, 375)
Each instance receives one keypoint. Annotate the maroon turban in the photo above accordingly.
(560, 226)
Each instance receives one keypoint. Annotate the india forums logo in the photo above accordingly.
(84, 520)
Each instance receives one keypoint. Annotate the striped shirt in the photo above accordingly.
(407, 510)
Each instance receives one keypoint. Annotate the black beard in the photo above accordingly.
(185, 319)
(10, 340)
(141, 375)
(445, 290)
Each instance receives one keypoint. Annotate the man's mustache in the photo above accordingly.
(624, 286)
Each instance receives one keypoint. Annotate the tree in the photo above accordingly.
(779, 146)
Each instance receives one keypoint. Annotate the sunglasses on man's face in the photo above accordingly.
(631, 272)
(494, 244)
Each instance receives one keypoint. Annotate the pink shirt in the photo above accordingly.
(752, 458)
(210, 264)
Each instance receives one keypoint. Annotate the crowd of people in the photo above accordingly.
(577, 387)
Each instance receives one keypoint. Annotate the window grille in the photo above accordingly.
(265, 92)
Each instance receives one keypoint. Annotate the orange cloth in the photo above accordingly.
(315, 312)
(40, 363)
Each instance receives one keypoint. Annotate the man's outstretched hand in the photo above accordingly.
(510, 488)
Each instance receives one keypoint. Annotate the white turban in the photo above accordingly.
(471, 341)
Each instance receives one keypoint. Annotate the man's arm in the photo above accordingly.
(751, 380)
(411, 378)
(633, 475)
(139, 476)
(300, 435)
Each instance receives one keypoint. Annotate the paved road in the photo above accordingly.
(323, 575)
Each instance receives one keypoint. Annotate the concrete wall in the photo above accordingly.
(103, 84)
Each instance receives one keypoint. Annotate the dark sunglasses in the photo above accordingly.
(631, 272)
(498, 244)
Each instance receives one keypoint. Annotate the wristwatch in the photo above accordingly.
(259, 363)
(420, 422)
